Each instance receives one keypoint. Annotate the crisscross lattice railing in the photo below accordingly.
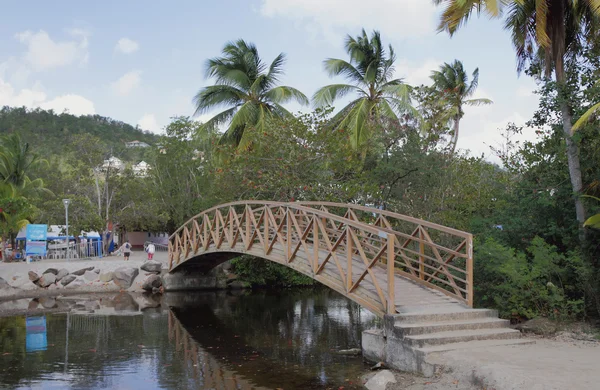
(355, 250)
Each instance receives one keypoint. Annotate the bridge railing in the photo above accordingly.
(339, 245)
(434, 255)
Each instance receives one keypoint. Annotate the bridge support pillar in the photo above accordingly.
(387, 345)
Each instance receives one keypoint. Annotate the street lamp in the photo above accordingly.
(66, 203)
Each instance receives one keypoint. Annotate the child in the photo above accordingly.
(150, 249)
(126, 250)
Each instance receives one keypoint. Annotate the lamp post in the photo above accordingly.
(66, 203)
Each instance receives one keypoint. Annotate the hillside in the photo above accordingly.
(50, 133)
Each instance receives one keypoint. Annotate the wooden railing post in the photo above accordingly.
(288, 224)
(391, 258)
(349, 254)
(170, 255)
(315, 244)
(248, 235)
(470, 270)
(230, 222)
(266, 232)
(421, 253)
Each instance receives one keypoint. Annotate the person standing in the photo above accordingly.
(126, 250)
(150, 249)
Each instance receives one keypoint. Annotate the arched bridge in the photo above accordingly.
(385, 261)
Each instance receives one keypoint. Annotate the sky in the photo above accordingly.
(143, 62)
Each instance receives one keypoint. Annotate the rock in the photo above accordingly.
(148, 301)
(4, 284)
(92, 305)
(151, 266)
(125, 302)
(350, 352)
(226, 266)
(157, 290)
(107, 277)
(539, 325)
(75, 283)
(378, 366)
(123, 276)
(51, 271)
(82, 271)
(48, 303)
(90, 275)
(236, 284)
(380, 380)
(97, 270)
(151, 282)
(33, 304)
(33, 276)
(47, 279)
(61, 274)
(67, 279)
(231, 277)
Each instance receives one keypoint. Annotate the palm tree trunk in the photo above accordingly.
(572, 148)
(455, 135)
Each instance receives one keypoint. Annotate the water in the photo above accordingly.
(259, 340)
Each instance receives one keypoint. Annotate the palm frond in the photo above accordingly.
(585, 117)
(328, 94)
(211, 97)
(337, 67)
(478, 102)
(284, 94)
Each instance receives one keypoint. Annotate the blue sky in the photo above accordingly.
(142, 62)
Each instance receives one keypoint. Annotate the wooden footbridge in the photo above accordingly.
(386, 262)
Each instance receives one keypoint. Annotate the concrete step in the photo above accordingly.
(473, 344)
(444, 313)
(459, 336)
(420, 328)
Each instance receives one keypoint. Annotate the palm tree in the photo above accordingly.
(16, 164)
(452, 83)
(548, 31)
(370, 71)
(248, 88)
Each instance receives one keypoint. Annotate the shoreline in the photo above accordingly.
(55, 278)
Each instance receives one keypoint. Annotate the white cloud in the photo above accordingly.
(25, 97)
(36, 97)
(416, 74)
(127, 46)
(401, 19)
(127, 83)
(149, 122)
(73, 104)
(45, 53)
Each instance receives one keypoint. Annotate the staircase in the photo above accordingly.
(407, 339)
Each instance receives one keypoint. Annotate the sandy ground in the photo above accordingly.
(546, 365)
(16, 274)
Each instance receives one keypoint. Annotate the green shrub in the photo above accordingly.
(261, 272)
(523, 285)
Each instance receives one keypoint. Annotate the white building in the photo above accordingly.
(113, 163)
(136, 144)
(141, 169)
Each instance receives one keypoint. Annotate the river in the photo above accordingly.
(272, 339)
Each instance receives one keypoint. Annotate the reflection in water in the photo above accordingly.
(261, 340)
